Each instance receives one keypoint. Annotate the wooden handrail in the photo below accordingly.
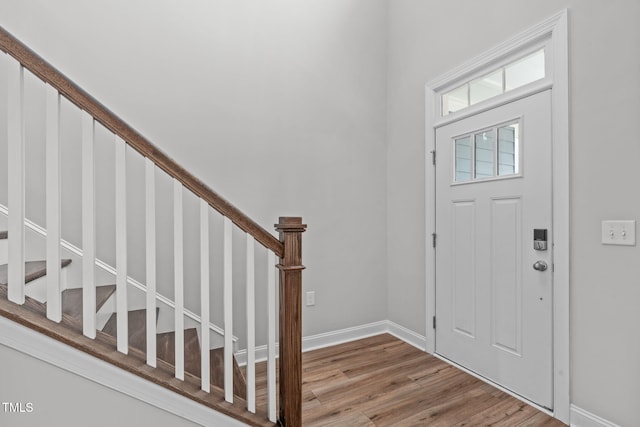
(49, 74)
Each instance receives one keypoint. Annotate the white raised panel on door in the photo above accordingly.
(506, 274)
(463, 271)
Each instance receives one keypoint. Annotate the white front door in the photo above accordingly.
(493, 193)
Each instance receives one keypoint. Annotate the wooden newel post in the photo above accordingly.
(290, 340)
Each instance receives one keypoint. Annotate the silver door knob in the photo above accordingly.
(540, 266)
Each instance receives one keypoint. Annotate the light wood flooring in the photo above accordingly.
(382, 381)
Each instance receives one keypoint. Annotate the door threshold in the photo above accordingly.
(496, 385)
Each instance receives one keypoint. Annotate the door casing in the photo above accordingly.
(553, 33)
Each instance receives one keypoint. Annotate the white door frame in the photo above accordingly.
(554, 33)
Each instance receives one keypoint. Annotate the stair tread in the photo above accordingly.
(72, 300)
(137, 324)
(3, 234)
(32, 270)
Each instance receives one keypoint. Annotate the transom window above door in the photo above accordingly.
(487, 154)
(511, 76)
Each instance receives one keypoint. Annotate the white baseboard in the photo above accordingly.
(582, 418)
(75, 361)
(407, 335)
(327, 339)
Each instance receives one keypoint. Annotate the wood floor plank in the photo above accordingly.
(392, 361)
(357, 419)
(452, 410)
(507, 412)
(323, 378)
(359, 389)
(394, 411)
(345, 352)
(540, 419)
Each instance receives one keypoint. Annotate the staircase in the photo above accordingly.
(38, 294)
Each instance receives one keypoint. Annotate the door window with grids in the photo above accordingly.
(487, 154)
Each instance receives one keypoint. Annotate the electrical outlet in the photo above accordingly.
(311, 298)
(619, 233)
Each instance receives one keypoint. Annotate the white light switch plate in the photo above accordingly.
(619, 233)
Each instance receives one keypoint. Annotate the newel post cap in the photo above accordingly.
(290, 224)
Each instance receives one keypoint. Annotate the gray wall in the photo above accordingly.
(234, 91)
(61, 398)
(426, 39)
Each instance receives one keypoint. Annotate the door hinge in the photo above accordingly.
(433, 239)
(433, 157)
(434, 322)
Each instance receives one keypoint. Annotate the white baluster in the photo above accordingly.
(54, 289)
(228, 312)
(271, 338)
(204, 296)
(251, 326)
(150, 236)
(122, 307)
(88, 228)
(16, 181)
(178, 278)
